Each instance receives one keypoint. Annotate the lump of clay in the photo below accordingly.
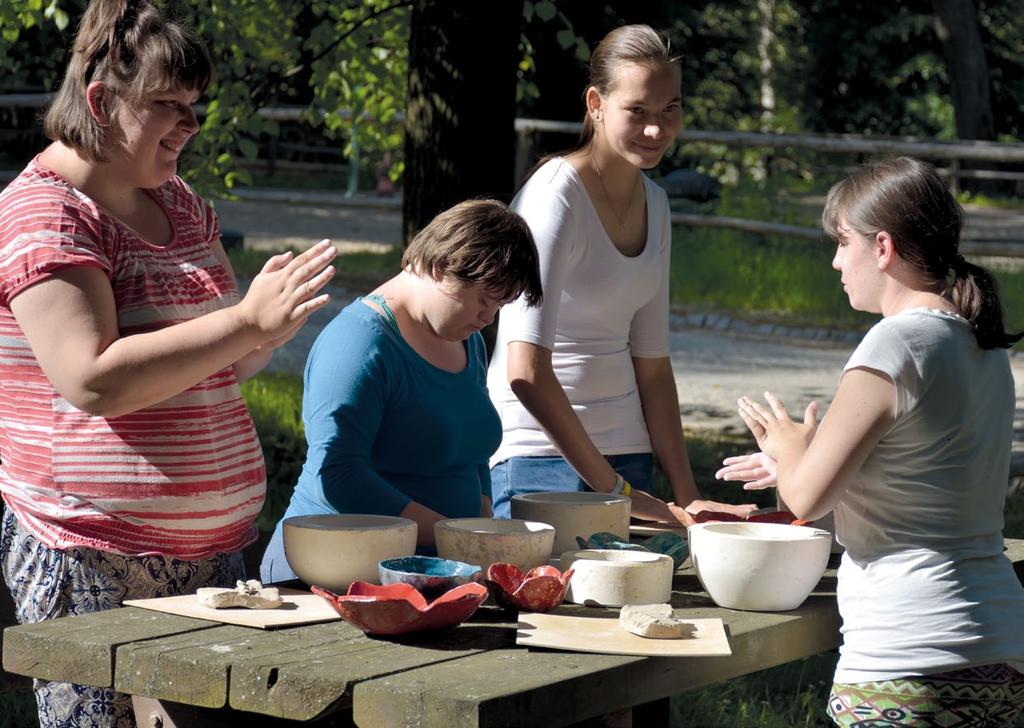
(249, 594)
(654, 621)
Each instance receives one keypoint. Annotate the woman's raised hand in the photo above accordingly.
(755, 470)
(772, 426)
(284, 294)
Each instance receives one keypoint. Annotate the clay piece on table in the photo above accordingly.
(250, 594)
(654, 621)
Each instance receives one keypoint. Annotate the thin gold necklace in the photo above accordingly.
(632, 194)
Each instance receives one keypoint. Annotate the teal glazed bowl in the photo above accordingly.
(432, 576)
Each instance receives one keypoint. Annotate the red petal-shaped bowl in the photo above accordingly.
(399, 609)
(538, 590)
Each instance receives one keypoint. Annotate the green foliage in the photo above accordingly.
(345, 64)
(873, 69)
(33, 36)
(327, 57)
(275, 403)
(360, 55)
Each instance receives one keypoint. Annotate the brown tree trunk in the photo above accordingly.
(460, 114)
(956, 24)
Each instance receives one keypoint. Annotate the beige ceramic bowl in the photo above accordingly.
(613, 578)
(486, 541)
(575, 514)
(767, 567)
(334, 550)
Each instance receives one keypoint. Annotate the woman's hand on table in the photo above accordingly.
(755, 470)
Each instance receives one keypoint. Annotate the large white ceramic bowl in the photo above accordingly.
(766, 567)
(575, 514)
(486, 541)
(333, 550)
(613, 578)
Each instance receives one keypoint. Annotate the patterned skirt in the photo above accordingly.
(986, 696)
(48, 583)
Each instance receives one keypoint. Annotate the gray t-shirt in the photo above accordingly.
(923, 585)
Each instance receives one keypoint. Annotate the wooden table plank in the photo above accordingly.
(297, 673)
(306, 683)
(513, 687)
(81, 649)
(188, 668)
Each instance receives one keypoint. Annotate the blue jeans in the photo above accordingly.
(553, 474)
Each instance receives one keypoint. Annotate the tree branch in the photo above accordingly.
(356, 26)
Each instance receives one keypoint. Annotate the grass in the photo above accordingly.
(18, 709)
(275, 402)
(789, 696)
(787, 281)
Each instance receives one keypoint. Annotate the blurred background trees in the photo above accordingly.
(936, 69)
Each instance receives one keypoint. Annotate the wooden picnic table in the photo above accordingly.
(473, 675)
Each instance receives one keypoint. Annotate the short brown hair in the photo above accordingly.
(480, 242)
(131, 48)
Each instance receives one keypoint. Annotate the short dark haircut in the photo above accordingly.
(480, 242)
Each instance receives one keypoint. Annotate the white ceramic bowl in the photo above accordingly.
(766, 567)
(333, 550)
(486, 541)
(575, 514)
(613, 578)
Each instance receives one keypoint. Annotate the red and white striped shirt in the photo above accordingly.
(182, 478)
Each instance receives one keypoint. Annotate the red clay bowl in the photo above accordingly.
(399, 609)
(538, 590)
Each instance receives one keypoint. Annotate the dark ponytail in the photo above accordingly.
(906, 198)
(975, 293)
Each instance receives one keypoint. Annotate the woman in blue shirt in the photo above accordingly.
(395, 404)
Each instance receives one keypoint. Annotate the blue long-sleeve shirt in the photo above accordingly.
(384, 426)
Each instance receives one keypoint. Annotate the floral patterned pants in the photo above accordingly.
(48, 583)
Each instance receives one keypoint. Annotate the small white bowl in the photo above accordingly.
(333, 550)
(765, 567)
(613, 578)
(486, 541)
(575, 514)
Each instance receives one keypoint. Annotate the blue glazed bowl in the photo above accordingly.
(432, 576)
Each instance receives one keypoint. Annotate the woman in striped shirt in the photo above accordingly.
(130, 466)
